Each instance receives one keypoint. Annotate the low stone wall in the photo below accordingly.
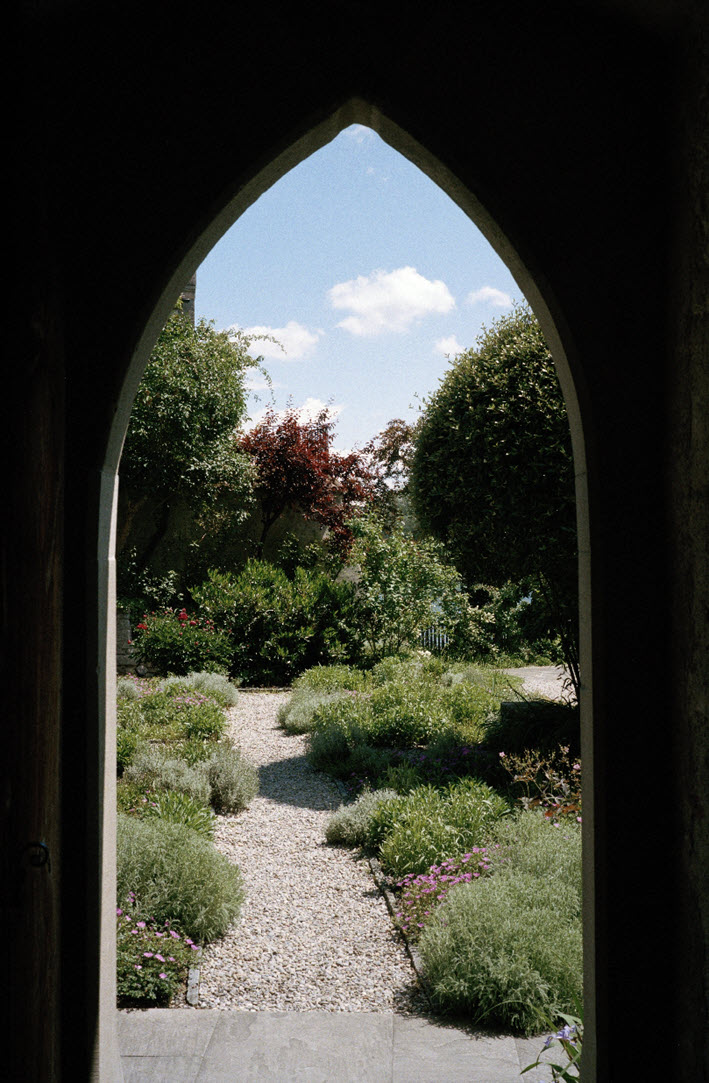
(125, 656)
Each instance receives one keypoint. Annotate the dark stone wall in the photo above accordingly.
(576, 135)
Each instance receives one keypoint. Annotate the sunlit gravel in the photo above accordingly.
(314, 933)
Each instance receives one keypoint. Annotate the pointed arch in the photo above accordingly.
(286, 155)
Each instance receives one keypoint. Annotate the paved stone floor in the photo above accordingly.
(211, 1046)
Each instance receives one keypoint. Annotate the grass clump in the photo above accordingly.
(350, 825)
(177, 876)
(180, 808)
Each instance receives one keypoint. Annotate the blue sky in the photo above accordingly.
(368, 275)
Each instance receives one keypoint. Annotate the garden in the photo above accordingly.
(464, 792)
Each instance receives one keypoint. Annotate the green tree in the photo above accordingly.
(493, 478)
(388, 456)
(179, 462)
(401, 586)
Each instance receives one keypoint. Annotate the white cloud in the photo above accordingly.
(259, 383)
(389, 300)
(449, 346)
(307, 412)
(359, 133)
(295, 339)
(489, 295)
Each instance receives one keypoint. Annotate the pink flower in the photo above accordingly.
(163, 975)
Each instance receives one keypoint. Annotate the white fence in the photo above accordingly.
(434, 639)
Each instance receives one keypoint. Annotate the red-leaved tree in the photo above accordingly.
(298, 469)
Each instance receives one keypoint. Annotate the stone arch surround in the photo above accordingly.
(582, 136)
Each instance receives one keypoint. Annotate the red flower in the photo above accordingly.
(143, 627)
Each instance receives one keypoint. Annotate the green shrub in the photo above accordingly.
(408, 711)
(126, 689)
(507, 950)
(280, 625)
(350, 824)
(540, 724)
(177, 876)
(536, 846)
(133, 797)
(233, 781)
(203, 721)
(298, 715)
(172, 641)
(329, 750)
(175, 715)
(180, 808)
(126, 745)
(331, 679)
(151, 960)
(429, 825)
(154, 768)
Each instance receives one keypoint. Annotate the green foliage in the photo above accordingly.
(428, 825)
(298, 715)
(186, 720)
(509, 626)
(332, 678)
(397, 713)
(538, 724)
(179, 448)
(155, 769)
(350, 825)
(126, 689)
(224, 778)
(280, 626)
(177, 876)
(233, 780)
(180, 808)
(493, 476)
(215, 685)
(507, 950)
(402, 586)
(126, 745)
(152, 960)
(170, 641)
(570, 1039)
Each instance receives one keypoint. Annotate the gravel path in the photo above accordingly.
(314, 933)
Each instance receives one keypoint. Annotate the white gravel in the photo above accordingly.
(314, 933)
